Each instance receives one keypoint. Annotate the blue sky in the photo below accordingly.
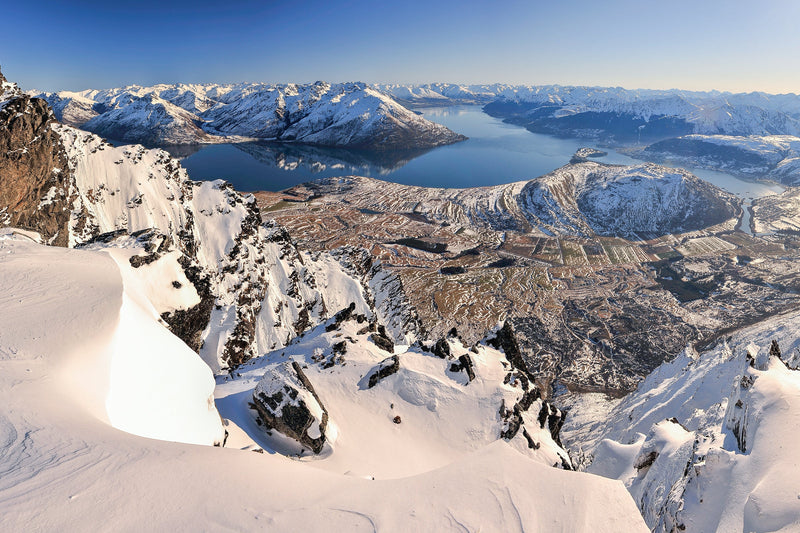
(734, 45)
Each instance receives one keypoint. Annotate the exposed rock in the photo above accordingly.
(382, 340)
(441, 349)
(286, 401)
(341, 316)
(504, 339)
(35, 190)
(465, 364)
(386, 368)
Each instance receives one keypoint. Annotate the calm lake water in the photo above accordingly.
(495, 153)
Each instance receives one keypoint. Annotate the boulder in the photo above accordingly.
(286, 401)
(385, 368)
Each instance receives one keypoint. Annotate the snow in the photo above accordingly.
(443, 417)
(725, 463)
(111, 348)
(68, 320)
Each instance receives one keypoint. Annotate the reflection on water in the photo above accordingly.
(495, 153)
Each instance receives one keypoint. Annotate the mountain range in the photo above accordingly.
(300, 387)
(352, 115)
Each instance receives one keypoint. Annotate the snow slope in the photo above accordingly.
(108, 346)
(443, 415)
(707, 441)
(68, 316)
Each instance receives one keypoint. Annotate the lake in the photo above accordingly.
(495, 153)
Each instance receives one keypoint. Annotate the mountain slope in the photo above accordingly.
(149, 120)
(584, 199)
(704, 442)
(64, 467)
(256, 290)
(775, 157)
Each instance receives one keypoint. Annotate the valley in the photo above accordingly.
(593, 313)
(414, 333)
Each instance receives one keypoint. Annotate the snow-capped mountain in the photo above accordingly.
(635, 116)
(150, 120)
(442, 93)
(85, 352)
(585, 198)
(351, 115)
(615, 114)
(706, 441)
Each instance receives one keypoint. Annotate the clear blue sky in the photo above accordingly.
(737, 45)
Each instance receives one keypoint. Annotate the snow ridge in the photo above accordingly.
(704, 442)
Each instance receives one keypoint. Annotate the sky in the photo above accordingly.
(735, 45)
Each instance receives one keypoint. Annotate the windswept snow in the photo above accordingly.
(707, 441)
(69, 318)
(73, 309)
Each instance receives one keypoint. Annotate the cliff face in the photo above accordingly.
(34, 182)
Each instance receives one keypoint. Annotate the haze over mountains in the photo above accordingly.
(398, 357)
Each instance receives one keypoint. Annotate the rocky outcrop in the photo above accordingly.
(382, 340)
(464, 364)
(547, 416)
(286, 401)
(384, 293)
(35, 190)
(385, 368)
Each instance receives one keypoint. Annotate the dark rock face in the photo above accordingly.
(286, 401)
(341, 316)
(506, 340)
(441, 349)
(382, 340)
(465, 364)
(549, 417)
(189, 324)
(386, 368)
(34, 172)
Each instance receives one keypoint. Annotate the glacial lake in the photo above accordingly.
(495, 153)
